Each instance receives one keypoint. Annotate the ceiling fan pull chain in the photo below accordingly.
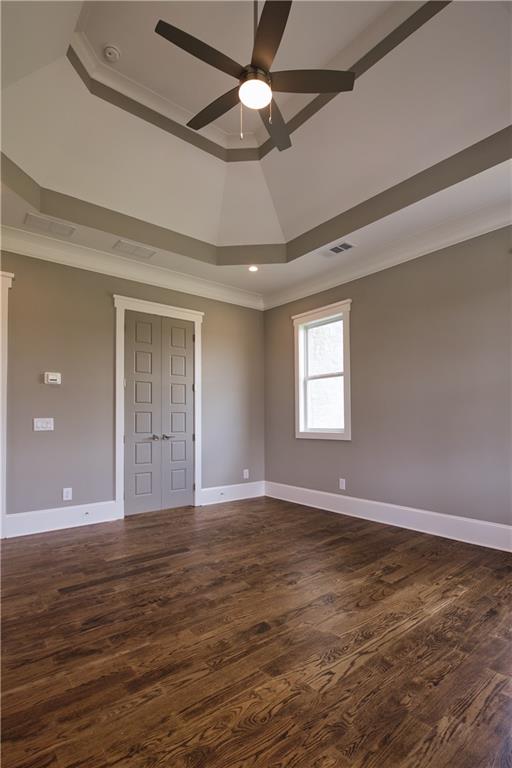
(270, 112)
(241, 122)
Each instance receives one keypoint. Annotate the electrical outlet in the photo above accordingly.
(246, 474)
(52, 377)
(67, 494)
(342, 484)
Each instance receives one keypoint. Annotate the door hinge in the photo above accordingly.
(193, 438)
(194, 487)
(193, 387)
(193, 337)
(124, 382)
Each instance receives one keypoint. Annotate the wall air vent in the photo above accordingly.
(341, 247)
(132, 250)
(48, 226)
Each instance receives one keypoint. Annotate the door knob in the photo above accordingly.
(167, 437)
(155, 437)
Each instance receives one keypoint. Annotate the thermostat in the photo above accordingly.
(51, 377)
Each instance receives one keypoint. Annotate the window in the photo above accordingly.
(322, 373)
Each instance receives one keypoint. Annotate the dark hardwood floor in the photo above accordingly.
(257, 634)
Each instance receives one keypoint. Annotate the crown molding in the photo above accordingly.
(81, 48)
(143, 103)
(468, 162)
(81, 257)
(423, 243)
(72, 255)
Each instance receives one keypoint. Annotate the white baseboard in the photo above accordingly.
(230, 492)
(25, 523)
(485, 534)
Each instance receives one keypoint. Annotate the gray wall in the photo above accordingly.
(62, 319)
(431, 386)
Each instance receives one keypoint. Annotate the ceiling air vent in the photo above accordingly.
(48, 226)
(132, 250)
(341, 247)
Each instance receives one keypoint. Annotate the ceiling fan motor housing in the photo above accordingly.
(254, 73)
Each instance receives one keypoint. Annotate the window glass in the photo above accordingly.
(325, 348)
(325, 403)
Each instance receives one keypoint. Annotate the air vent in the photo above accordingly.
(341, 247)
(132, 250)
(48, 226)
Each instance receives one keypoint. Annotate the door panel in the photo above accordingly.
(177, 412)
(159, 413)
(143, 412)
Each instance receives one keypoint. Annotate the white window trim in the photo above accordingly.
(340, 310)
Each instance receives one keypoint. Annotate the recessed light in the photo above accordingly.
(253, 268)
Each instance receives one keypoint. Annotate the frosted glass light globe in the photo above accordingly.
(255, 93)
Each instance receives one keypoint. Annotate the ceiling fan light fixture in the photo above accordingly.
(255, 91)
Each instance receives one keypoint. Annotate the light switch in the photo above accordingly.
(52, 377)
(43, 424)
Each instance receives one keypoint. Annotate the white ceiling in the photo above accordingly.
(34, 34)
(443, 89)
(467, 209)
(315, 34)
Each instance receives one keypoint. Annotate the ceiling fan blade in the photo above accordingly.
(214, 110)
(277, 129)
(313, 81)
(269, 33)
(199, 49)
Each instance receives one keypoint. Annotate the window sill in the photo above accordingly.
(319, 435)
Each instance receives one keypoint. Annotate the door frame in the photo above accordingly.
(6, 279)
(122, 304)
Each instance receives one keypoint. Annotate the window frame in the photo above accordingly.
(302, 322)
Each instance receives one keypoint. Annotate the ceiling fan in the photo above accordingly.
(256, 83)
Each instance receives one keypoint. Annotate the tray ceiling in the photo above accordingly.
(315, 34)
(443, 89)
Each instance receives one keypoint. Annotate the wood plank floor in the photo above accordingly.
(257, 634)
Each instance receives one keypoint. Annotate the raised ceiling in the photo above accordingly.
(438, 91)
(187, 83)
(472, 207)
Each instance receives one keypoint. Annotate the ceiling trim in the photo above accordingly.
(62, 206)
(446, 235)
(38, 246)
(70, 254)
(362, 65)
(485, 154)
(135, 106)
(152, 116)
